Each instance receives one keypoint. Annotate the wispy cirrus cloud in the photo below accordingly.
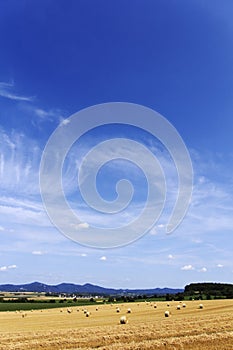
(22, 211)
(7, 91)
(19, 163)
(50, 115)
(41, 115)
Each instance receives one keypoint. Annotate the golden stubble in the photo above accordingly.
(189, 328)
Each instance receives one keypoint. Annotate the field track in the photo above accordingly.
(188, 328)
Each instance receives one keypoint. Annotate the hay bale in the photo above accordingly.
(123, 320)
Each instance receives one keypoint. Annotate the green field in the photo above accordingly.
(37, 301)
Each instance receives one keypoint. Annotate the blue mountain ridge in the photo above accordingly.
(71, 288)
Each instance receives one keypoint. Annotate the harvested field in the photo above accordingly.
(189, 328)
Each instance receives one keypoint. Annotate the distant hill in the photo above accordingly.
(215, 289)
(86, 289)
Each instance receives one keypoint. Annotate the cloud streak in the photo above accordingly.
(43, 115)
(7, 91)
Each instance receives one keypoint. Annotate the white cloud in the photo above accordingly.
(201, 179)
(153, 231)
(19, 163)
(158, 229)
(197, 240)
(103, 258)
(6, 90)
(209, 211)
(24, 216)
(42, 115)
(203, 269)
(206, 204)
(202, 209)
(220, 265)
(187, 267)
(161, 226)
(170, 256)
(12, 267)
(37, 252)
(5, 268)
(83, 254)
(81, 226)
(65, 121)
(49, 114)
(2, 228)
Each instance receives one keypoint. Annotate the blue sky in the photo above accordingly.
(58, 57)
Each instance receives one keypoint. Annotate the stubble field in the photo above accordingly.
(189, 328)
